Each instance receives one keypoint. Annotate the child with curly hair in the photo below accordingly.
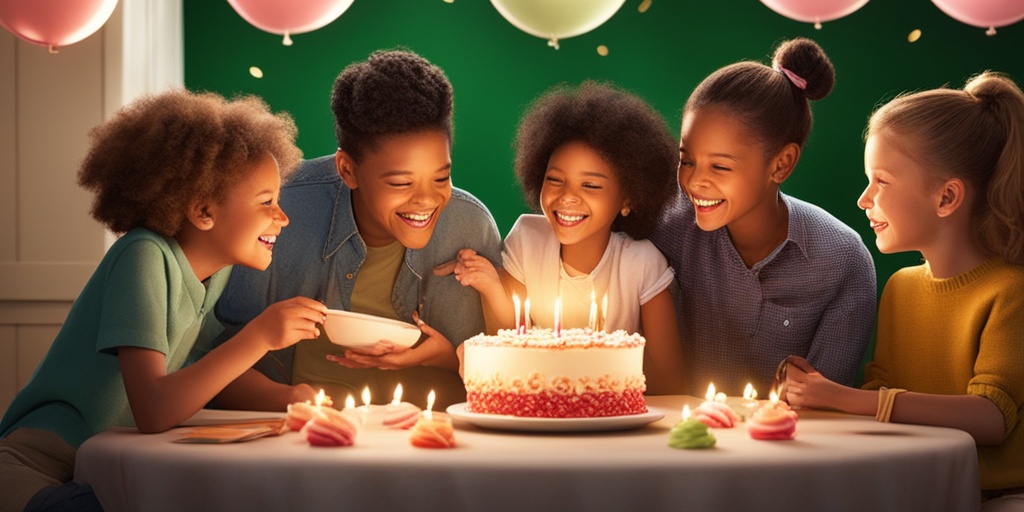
(192, 182)
(368, 225)
(762, 275)
(945, 171)
(598, 163)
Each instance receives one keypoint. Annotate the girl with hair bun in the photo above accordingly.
(945, 175)
(761, 275)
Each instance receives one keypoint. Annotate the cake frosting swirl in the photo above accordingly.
(331, 427)
(691, 434)
(772, 421)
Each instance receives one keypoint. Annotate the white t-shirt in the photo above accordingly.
(631, 272)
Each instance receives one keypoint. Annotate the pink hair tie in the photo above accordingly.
(793, 77)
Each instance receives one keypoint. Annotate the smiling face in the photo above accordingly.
(581, 197)
(246, 224)
(399, 188)
(900, 199)
(723, 170)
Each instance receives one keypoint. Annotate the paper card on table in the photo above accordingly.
(233, 433)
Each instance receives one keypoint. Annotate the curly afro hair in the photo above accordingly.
(617, 125)
(775, 110)
(393, 92)
(163, 152)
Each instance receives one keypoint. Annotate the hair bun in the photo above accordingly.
(804, 58)
(991, 87)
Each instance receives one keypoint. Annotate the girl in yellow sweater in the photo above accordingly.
(945, 175)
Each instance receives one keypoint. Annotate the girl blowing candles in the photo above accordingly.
(945, 173)
(761, 275)
(597, 162)
(192, 182)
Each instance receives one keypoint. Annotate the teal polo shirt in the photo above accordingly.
(143, 294)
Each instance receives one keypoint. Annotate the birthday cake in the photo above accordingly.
(576, 374)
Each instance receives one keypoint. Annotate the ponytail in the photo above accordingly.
(1001, 220)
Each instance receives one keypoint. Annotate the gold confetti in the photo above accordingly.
(449, 1)
(644, 5)
(914, 35)
(602, 50)
(255, 72)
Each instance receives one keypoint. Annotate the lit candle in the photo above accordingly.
(515, 304)
(430, 431)
(299, 413)
(329, 427)
(429, 413)
(773, 421)
(749, 396)
(366, 398)
(690, 434)
(526, 315)
(602, 319)
(593, 312)
(714, 411)
(558, 317)
(397, 399)
(399, 414)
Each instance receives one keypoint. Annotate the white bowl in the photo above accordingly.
(360, 331)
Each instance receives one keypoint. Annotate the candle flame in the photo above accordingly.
(686, 412)
(350, 402)
(320, 397)
(602, 318)
(429, 413)
(593, 312)
(366, 396)
(398, 395)
(558, 316)
(526, 314)
(749, 393)
(774, 397)
(710, 396)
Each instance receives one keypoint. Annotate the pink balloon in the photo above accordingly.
(983, 13)
(284, 17)
(814, 11)
(54, 23)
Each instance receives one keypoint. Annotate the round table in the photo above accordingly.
(837, 462)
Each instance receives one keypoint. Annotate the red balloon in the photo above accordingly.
(983, 13)
(54, 23)
(284, 17)
(814, 11)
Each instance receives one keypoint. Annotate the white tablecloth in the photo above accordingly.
(836, 463)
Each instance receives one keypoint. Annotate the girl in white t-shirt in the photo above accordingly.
(599, 164)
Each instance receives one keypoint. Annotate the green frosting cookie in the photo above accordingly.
(690, 434)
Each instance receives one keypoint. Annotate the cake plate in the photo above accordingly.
(505, 422)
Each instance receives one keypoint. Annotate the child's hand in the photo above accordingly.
(287, 322)
(471, 269)
(805, 387)
(435, 350)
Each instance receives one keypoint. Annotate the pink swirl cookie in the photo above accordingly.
(772, 422)
(298, 414)
(330, 427)
(401, 416)
(433, 433)
(716, 414)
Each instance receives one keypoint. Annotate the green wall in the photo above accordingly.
(660, 54)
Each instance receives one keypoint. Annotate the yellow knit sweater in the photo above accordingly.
(961, 335)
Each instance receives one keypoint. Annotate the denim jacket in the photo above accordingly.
(319, 253)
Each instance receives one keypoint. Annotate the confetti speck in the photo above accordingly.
(602, 50)
(914, 35)
(644, 5)
(256, 72)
